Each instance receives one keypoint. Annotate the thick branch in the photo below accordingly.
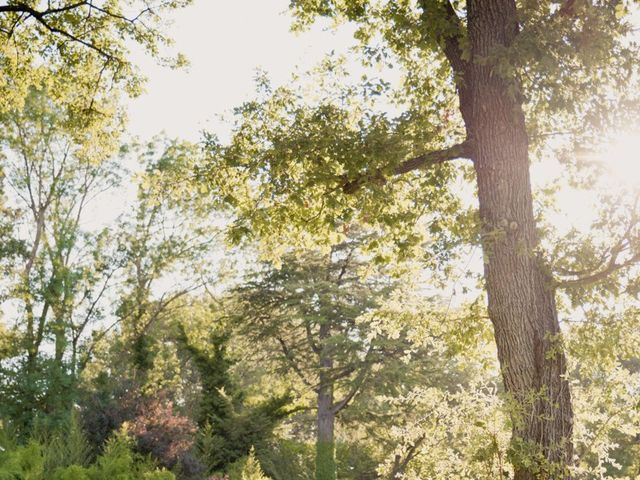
(24, 8)
(424, 161)
(357, 384)
(612, 267)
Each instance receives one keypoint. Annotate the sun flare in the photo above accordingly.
(620, 159)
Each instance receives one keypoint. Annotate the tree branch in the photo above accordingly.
(79, 328)
(628, 243)
(461, 150)
(41, 17)
(424, 161)
(441, 12)
(400, 464)
(293, 364)
(314, 346)
(357, 383)
(612, 266)
(449, 33)
(24, 8)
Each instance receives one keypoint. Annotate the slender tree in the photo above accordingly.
(55, 169)
(307, 315)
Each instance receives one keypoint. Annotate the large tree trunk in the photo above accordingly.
(325, 443)
(520, 294)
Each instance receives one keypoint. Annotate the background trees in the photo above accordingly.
(54, 171)
(331, 345)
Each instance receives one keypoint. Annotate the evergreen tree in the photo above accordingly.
(310, 316)
(230, 428)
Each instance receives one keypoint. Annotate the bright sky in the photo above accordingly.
(225, 41)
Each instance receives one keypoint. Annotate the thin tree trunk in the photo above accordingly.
(34, 333)
(521, 297)
(325, 442)
(60, 336)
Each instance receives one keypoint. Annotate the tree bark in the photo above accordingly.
(325, 442)
(521, 298)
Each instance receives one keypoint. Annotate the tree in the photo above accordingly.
(79, 47)
(162, 236)
(512, 70)
(252, 469)
(310, 318)
(63, 67)
(55, 168)
(230, 427)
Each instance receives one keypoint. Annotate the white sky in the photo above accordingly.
(225, 41)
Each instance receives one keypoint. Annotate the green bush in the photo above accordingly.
(36, 461)
(72, 472)
(287, 459)
(247, 468)
(25, 462)
(63, 444)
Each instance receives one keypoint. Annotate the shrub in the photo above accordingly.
(162, 433)
(72, 472)
(24, 463)
(247, 469)
(118, 462)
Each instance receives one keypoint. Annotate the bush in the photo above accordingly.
(72, 472)
(118, 462)
(23, 463)
(63, 443)
(287, 459)
(247, 469)
(162, 433)
(154, 423)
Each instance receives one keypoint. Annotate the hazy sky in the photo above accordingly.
(225, 42)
